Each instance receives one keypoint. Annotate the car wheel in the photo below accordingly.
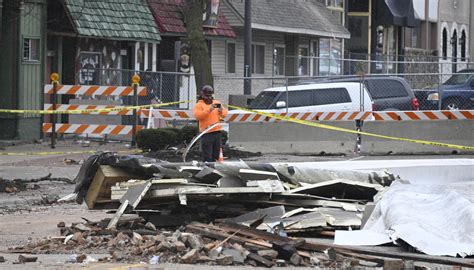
(452, 105)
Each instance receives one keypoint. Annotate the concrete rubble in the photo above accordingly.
(230, 213)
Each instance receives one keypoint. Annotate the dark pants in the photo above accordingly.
(210, 146)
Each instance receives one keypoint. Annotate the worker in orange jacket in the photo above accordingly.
(209, 111)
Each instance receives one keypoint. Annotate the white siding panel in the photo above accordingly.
(218, 57)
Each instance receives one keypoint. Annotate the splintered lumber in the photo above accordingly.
(113, 222)
(106, 177)
(135, 194)
(253, 175)
(314, 244)
(121, 188)
(209, 191)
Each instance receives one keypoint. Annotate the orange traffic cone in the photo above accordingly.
(221, 155)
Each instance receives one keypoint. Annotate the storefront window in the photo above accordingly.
(330, 57)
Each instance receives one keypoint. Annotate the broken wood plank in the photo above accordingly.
(113, 222)
(106, 177)
(135, 194)
(260, 259)
(267, 185)
(314, 244)
(270, 212)
(253, 175)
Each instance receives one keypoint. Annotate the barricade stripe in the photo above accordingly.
(294, 115)
(412, 116)
(127, 91)
(109, 90)
(255, 118)
(142, 92)
(182, 114)
(328, 116)
(165, 114)
(353, 115)
(305, 116)
(117, 129)
(99, 129)
(341, 115)
(73, 90)
(467, 114)
(46, 127)
(91, 90)
(80, 129)
(431, 115)
(232, 118)
(63, 128)
(449, 115)
(244, 117)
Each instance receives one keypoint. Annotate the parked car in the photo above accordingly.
(388, 93)
(456, 93)
(320, 97)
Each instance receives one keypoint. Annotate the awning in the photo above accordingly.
(397, 13)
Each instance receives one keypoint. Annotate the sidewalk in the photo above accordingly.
(36, 166)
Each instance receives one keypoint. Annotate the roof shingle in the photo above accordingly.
(302, 16)
(170, 19)
(113, 19)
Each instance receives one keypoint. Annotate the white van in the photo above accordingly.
(321, 97)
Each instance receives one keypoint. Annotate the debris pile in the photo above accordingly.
(136, 240)
(230, 213)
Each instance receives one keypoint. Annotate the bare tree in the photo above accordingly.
(193, 13)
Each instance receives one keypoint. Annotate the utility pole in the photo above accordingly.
(248, 49)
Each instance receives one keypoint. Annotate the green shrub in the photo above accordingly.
(160, 138)
(157, 139)
(188, 133)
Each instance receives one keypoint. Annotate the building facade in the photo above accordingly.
(22, 69)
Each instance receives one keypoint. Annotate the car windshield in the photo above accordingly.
(264, 100)
(457, 79)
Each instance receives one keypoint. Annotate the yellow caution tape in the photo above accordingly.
(134, 151)
(139, 107)
(319, 125)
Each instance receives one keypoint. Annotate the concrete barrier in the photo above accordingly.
(284, 137)
(459, 132)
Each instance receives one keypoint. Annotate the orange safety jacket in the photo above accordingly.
(206, 118)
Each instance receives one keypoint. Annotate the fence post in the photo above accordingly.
(287, 101)
(54, 79)
(440, 81)
(135, 82)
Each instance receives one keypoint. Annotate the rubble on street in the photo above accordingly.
(229, 213)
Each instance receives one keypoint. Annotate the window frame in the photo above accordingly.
(29, 60)
(444, 43)
(227, 57)
(254, 56)
(330, 5)
(280, 46)
(306, 58)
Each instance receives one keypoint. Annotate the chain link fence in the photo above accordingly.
(422, 86)
(405, 91)
(162, 87)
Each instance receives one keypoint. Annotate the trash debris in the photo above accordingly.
(25, 259)
(229, 213)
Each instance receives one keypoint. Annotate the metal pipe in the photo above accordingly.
(248, 48)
